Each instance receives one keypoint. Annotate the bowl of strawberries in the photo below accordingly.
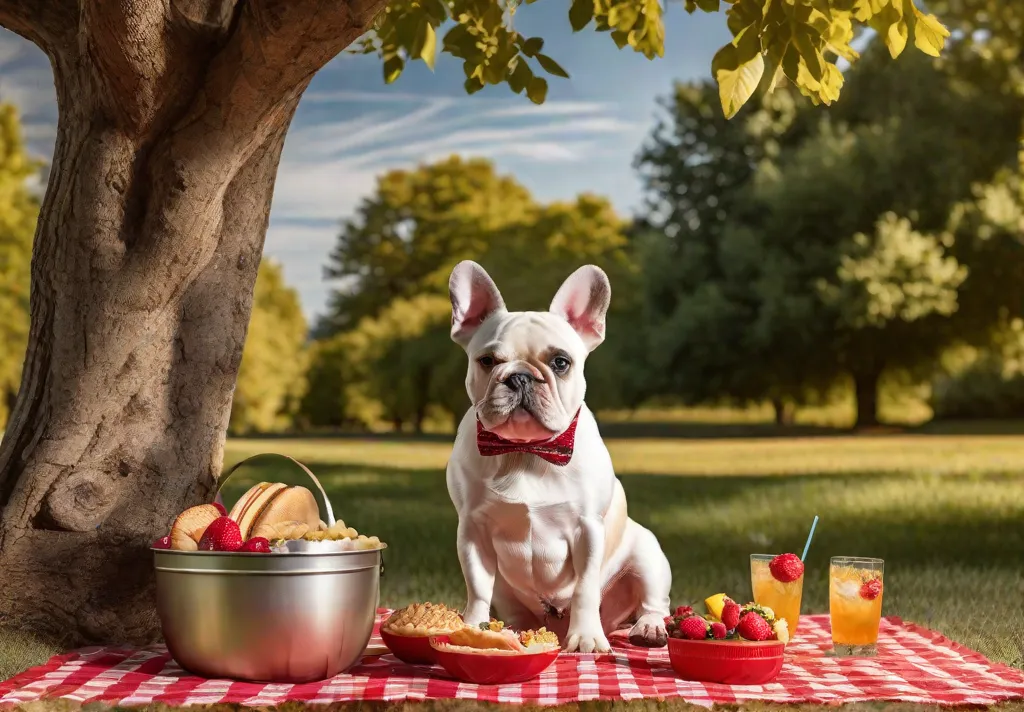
(731, 644)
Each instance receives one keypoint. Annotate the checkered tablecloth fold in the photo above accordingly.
(914, 665)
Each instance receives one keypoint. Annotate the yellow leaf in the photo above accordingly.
(736, 80)
(429, 52)
(929, 34)
(896, 38)
(831, 83)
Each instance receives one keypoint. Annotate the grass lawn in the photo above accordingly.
(946, 512)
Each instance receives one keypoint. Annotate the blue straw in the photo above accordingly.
(809, 537)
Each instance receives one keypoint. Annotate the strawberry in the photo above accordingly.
(694, 628)
(731, 615)
(753, 627)
(870, 590)
(163, 542)
(256, 545)
(786, 568)
(684, 612)
(719, 631)
(221, 509)
(223, 534)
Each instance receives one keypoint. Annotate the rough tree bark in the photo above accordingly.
(173, 114)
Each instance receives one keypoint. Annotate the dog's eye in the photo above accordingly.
(486, 361)
(560, 364)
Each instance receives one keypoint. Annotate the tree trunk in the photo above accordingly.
(865, 389)
(145, 258)
(785, 413)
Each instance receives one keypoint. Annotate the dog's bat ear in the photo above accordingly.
(583, 301)
(474, 298)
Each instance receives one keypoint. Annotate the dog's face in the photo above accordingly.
(525, 373)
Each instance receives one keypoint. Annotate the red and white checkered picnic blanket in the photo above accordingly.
(914, 665)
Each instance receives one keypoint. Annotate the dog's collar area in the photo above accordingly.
(556, 450)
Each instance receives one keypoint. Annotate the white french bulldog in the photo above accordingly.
(543, 533)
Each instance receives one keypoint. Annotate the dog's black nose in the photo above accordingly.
(517, 381)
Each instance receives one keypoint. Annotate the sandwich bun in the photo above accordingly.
(190, 525)
(469, 637)
(268, 504)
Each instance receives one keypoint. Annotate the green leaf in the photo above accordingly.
(812, 57)
(929, 34)
(520, 76)
(775, 73)
(736, 80)
(428, 48)
(407, 30)
(551, 66)
(393, 67)
(580, 14)
(620, 38)
(532, 46)
(709, 5)
(537, 90)
(472, 85)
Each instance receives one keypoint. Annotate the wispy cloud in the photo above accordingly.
(329, 167)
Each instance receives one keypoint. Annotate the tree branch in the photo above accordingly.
(149, 54)
(250, 91)
(50, 24)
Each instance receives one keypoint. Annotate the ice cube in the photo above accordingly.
(846, 589)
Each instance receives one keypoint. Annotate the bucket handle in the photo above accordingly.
(327, 502)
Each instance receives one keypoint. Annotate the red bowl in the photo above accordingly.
(484, 669)
(730, 662)
(413, 649)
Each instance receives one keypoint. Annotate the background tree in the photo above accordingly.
(836, 263)
(18, 210)
(271, 378)
(336, 393)
(172, 117)
(411, 230)
(405, 360)
(700, 268)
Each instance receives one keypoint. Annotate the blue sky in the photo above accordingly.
(350, 126)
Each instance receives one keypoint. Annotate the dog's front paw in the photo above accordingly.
(475, 614)
(649, 632)
(586, 640)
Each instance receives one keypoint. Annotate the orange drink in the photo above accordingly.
(855, 604)
(783, 597)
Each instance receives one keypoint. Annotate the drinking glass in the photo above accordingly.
(855, 604)
(782, 598)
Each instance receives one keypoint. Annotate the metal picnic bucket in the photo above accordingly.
(280, 617)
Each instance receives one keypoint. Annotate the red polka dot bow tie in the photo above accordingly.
(557, 450)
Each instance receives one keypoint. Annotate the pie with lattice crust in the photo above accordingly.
(424, 619)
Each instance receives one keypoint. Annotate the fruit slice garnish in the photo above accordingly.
(870, 590)
(715, 604)
(786, 568)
